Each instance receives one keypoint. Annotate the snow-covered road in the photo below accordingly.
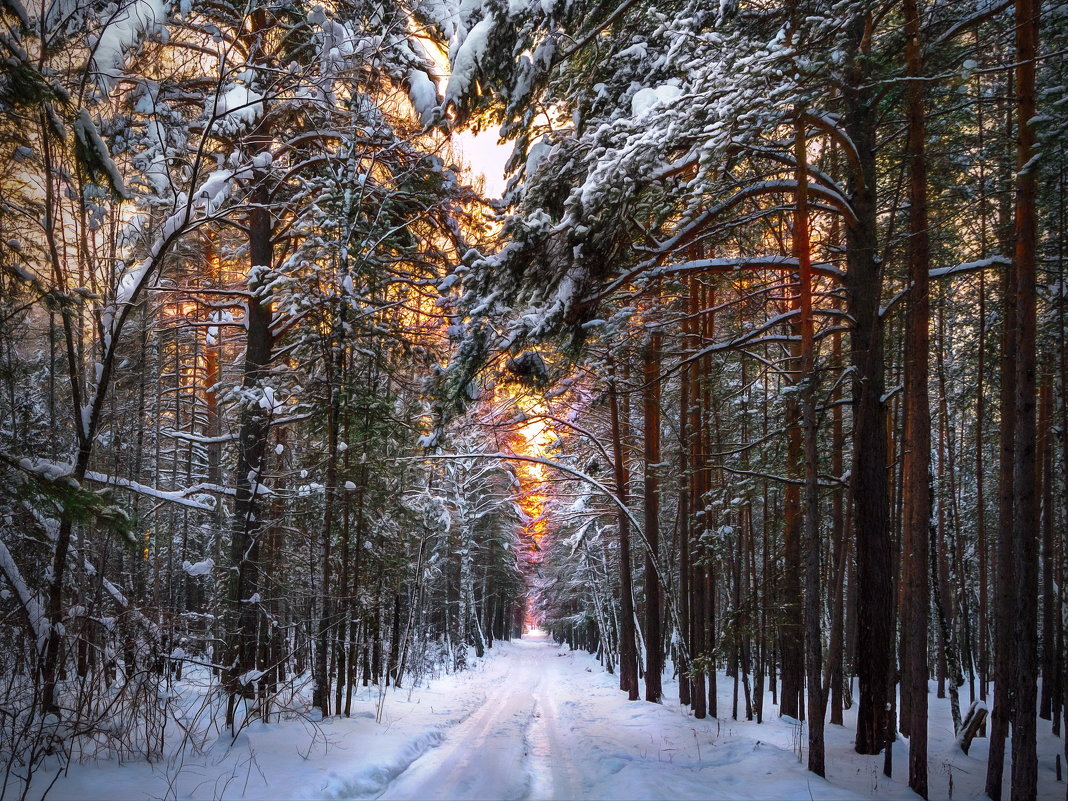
(532, 720)
(513, 746)
(551, 725)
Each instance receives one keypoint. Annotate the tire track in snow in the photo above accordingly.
(479, 758)
(550, 758)
(513, 747)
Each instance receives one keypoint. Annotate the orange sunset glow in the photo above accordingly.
(533, 438)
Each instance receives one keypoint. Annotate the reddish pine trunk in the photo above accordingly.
(813, 646)
(685, 436)
(791, 630)
(651, 415)
(628, 658)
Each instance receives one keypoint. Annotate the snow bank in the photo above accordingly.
(297, 758)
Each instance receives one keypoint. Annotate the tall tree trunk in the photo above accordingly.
(792, 631)
(835, 668)
(1049, 552)
(1062, 600)
(321, 695)
(1003, 592)
(868, 487)
(1001, 713)
(698, 477)
(980, 496)
(628, 658)
(813, 643)
(212, 410)
(651, 414)
(1025, 513)
(916, 498)
(247, 525)
(685, 436)
(708, 592)
(254, 428)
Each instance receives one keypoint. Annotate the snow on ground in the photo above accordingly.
(536, 721)
(301, 758)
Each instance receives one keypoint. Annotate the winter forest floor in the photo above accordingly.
(534, 720)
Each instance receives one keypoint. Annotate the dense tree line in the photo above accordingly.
(798, 270)
(225, 228)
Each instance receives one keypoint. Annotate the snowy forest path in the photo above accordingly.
(545, 723)
(512, 747)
